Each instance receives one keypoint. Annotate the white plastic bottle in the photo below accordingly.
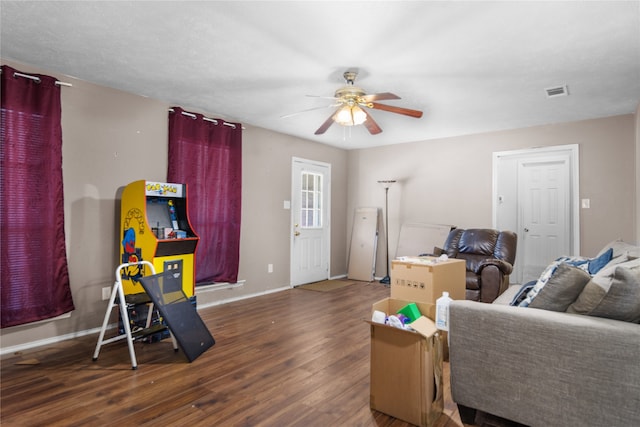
(442, 312)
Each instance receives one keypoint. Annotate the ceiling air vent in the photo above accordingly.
(552, 92)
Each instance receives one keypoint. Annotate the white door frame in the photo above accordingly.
(326, 214)
(574, 188)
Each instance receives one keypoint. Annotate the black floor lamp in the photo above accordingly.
(386, 184)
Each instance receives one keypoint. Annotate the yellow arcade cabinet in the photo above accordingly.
(154, 226)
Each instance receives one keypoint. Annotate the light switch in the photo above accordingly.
(586, 203)
(287, 204)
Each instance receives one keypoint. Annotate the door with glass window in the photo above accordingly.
(310, 222)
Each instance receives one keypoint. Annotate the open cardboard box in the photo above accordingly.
(406, 366)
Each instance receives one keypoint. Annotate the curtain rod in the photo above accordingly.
(214, 121)
(37, 79)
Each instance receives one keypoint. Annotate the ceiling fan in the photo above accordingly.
(353, 102)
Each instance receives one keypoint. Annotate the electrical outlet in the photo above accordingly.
(270, 268)
(106, 292)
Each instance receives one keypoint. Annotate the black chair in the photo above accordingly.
(489, 254)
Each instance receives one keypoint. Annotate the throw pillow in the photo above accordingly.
(614, 294)
(579, 262)
(562, 288)
(591, 266)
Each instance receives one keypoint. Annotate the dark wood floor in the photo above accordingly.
(296, 357)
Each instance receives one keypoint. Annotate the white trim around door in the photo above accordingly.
(310, 221)
(508, 201)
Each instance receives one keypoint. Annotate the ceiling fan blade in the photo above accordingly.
(322, 129)
(379, 96)
(371, 124)
(406, 111)
(307, 110)
(321, 97)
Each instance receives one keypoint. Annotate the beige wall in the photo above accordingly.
(637, 212)
(111, 138)
(266, 225)
(449, 181)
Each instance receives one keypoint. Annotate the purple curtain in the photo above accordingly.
(34, 280)
(207, 156)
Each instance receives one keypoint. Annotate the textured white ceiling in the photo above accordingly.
(472, 67)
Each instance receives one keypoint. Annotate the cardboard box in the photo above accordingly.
(406, 367)
(423, 279)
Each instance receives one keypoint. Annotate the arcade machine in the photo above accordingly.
(154, 226)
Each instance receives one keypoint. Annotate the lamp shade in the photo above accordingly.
(358, 115)
(350, 115)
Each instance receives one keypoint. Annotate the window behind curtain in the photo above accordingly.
(34, 280)
(207, 156)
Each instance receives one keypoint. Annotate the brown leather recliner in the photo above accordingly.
(490, 255)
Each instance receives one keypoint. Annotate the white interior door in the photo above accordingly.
(310, 221)
(544, 218)
(535, 194)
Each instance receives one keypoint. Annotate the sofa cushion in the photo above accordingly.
(562, 288)
(508, 296)
(619, 260)
(612, 293)
(621, 248)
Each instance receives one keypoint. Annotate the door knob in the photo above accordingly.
(296, 233)
(526, 230)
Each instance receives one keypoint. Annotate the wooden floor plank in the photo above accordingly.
(295, 357)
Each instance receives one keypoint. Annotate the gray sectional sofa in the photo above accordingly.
(573, 361)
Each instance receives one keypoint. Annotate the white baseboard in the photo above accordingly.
(228, 300)
(78, 334)
(51, 340)
(200, 289)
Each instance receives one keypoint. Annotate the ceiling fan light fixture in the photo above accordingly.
(343, 116)
(351, 101)
(350, 116)
(358, 114)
